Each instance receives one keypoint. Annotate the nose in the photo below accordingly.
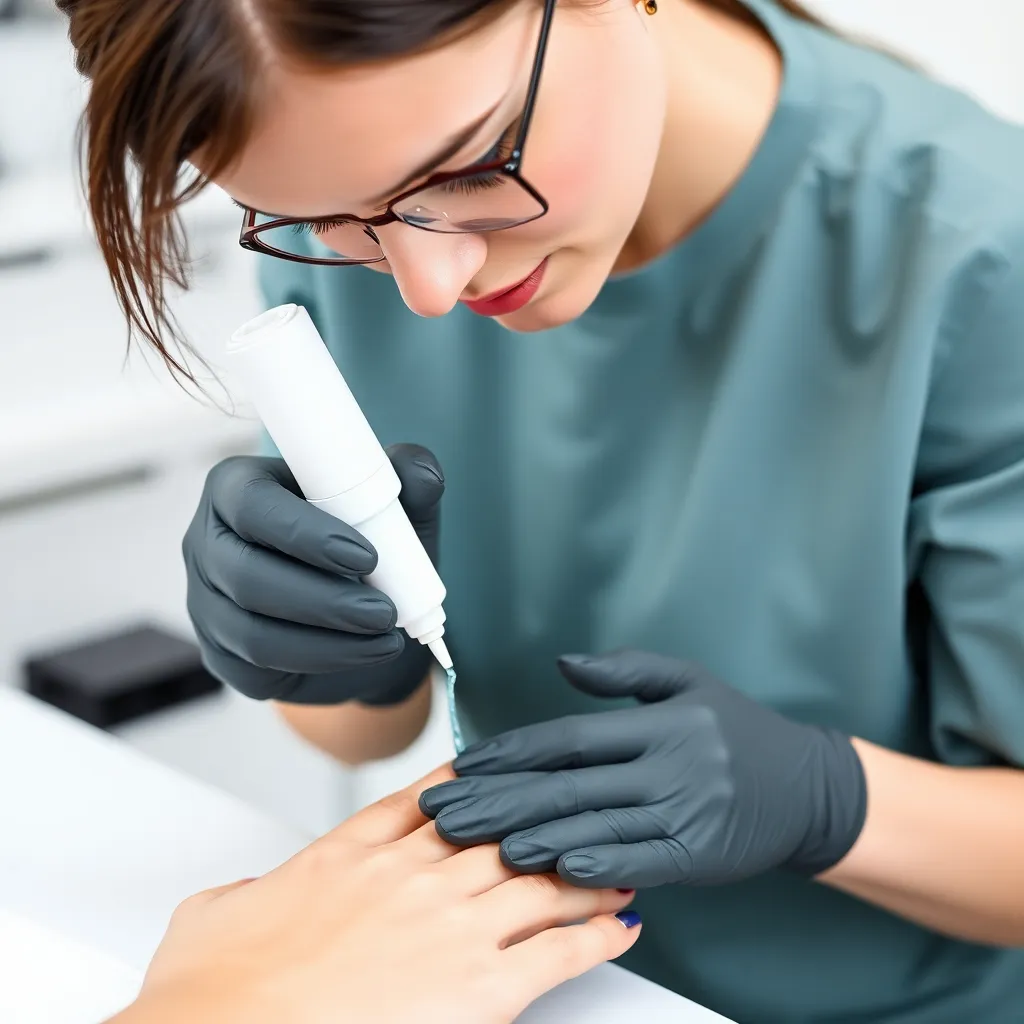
(431, 269)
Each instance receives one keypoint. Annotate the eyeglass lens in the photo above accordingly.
(485, 202)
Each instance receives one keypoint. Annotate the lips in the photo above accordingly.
(508, 300)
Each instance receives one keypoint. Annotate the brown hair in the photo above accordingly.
(172, 77)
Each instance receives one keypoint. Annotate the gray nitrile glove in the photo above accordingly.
(275, 587)
(697, 785)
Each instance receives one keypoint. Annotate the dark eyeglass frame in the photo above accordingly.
(510, 168)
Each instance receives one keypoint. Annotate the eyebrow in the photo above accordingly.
(452, 145)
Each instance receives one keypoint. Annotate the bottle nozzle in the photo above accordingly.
(440, 651)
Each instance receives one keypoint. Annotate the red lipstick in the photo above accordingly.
(508, 300)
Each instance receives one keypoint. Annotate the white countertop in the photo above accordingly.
(98, 845)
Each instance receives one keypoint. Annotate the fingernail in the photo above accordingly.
(525, 854)
(350, 556)
(580, 864)
(434, 471)
(575, 659)
(458, 820)
(577, 662)
(429, 804)
(626, 892)
(628, 918)
(372, 613)
(438, 797)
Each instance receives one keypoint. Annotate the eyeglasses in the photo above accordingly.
(491, 195)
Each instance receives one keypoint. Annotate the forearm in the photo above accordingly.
(941, 846)
(355, 733)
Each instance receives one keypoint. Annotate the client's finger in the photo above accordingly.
(390, 818)
(558, 954)
(466, 872)
(425, 846)
(475, 870)
(528, 904)
(442, 773)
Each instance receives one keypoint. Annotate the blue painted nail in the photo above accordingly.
(628, 918)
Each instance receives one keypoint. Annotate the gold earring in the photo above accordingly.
(651, 6)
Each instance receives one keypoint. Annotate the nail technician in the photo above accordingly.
(714, 320)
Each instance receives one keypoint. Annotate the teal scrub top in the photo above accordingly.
(790, 448)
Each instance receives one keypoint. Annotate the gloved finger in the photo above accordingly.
(648, 677)
(541, 848)
(285, 646)
(575, 741)
(636, 866)
(330, 688)
(327, 688)
(436, 798)
(264, 581)
(249, 680)
(489, 812)
(254, 498)
(422, 481)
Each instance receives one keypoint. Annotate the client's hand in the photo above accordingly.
(379, 920)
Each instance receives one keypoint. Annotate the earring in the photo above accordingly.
(651, 6)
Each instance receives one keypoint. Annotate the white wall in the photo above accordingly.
(975, 45)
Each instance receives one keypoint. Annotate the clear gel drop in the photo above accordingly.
(453, 711)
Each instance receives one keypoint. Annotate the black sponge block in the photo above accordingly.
(120, 677)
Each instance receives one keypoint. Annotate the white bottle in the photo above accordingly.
(319, 429)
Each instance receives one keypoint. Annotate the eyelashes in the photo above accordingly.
(499, 152)
(316, 227)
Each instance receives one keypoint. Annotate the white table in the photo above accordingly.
(99, 845)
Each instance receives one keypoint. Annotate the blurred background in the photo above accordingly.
(102, 456)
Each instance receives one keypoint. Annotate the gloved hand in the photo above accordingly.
(275, 589)
(697, 785)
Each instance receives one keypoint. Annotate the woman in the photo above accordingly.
(379, 920)
(762, 424)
